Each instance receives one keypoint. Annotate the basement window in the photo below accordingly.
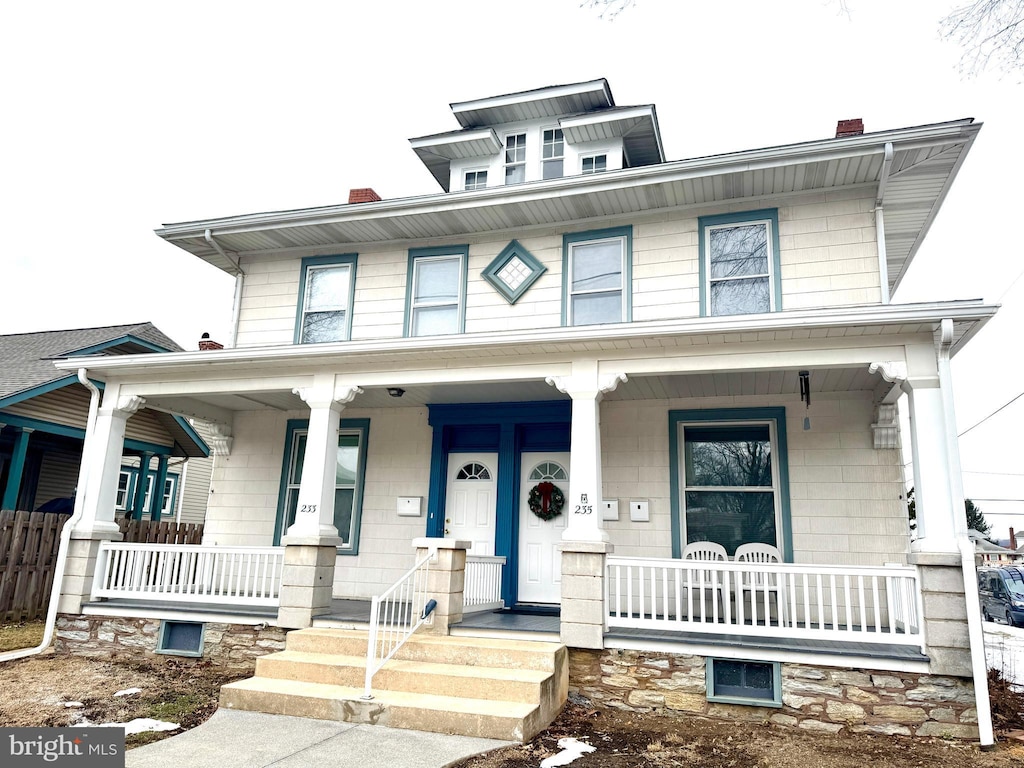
(735, 681)
(180, 638)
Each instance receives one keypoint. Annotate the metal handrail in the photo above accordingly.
(395, 615)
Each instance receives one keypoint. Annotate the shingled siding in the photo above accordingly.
(827, 246)
(814, 698)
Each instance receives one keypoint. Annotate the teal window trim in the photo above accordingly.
(362, 426)
(781, 453)
(510, 251)
(65, 431)
(42, 389)
(462, 252)
(132, 488)
(709, 678)
(162, 639)
(336, 260)
(573, 238)
(126, 339)
(774, 262)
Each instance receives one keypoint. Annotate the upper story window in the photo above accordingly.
(597, 269)
(436, 294)
(326, 292)
(552, 153)
(739, 263)
(594, 164)
(475, 180)
(515, 158)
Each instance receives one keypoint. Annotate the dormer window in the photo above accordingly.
(594, 164)
(553, 153)
(475, 180)
(515, 158)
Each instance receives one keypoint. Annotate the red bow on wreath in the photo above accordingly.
(545, 489)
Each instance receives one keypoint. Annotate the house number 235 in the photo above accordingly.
(308, 509)
(583, 508)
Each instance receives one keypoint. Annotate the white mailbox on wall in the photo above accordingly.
(610, 509)
(409, 506)
(639, 511)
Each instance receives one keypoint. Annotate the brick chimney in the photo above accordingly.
(365, 195)
(1013, 539)
(852, 127)
(207, 344)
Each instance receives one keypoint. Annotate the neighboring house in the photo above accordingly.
(668, 353)
(990, 553)
(43, 414)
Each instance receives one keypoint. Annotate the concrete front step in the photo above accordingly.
(471, 686)
(395, 709)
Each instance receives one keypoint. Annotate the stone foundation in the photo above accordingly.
(814, 698)
(235, 646)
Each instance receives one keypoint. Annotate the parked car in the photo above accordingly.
(1001, 591)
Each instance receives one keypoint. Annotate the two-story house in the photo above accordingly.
(655, 399)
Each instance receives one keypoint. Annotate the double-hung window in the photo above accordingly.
(597, 278)
(326, 293)
(594, 164)
(731, 484)
(475, 180)
(350, 470)
(739, 263)
(552, 153)
(515, 158)
(436, 296)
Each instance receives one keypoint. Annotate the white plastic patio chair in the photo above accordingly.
(761, 584)
(713, 580)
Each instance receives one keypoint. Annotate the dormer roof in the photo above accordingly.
(551, 101)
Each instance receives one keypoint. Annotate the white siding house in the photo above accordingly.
(590, 360)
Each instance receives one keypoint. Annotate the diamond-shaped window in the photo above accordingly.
(513, 271)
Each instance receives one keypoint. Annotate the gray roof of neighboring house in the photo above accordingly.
(26, 359)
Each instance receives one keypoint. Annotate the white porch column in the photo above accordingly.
(312, 541)
(938, 486)
(102, 453)
(584, 542)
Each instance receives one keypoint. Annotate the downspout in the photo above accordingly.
(65, 534)
(883, 266)
(239, 281)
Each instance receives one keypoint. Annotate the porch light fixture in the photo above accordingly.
(805, 394)
(396, 391)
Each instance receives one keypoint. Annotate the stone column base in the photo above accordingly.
(307, 583)
(945, 612)
(80, 568)
(583, 569)
(446, 581)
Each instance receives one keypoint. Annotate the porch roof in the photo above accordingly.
(910, 169)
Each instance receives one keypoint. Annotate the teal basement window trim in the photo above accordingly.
(737, 681)
(597, 269)
(739, 263)
(181, 638)
(513, 271)
(326, 293)
(435, 298)
(729, 479)
(350, 479)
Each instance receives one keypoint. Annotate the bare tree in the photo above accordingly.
(991, 33)
(609, 9)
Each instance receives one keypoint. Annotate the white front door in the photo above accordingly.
(540, 562)
(470, 506)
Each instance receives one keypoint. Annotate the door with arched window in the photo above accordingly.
(470, 505)
(540, 563)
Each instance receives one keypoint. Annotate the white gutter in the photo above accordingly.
(976, 634)
(883, 263)
(236, 309)
(65, 534)
(972, 310)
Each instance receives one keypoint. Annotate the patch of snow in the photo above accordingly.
(138, 725)
(571, 749)
(128, 692)
(73, 704)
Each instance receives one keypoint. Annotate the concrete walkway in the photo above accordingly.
(233, 738)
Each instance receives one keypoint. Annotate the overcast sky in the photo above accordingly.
(120, 116)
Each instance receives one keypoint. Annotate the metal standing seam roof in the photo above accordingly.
(925, 162)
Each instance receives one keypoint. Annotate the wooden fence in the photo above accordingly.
(28, 555)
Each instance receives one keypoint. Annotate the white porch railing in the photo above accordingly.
(482, 590)
(851, 603)
(189, 573)
(395, 615)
